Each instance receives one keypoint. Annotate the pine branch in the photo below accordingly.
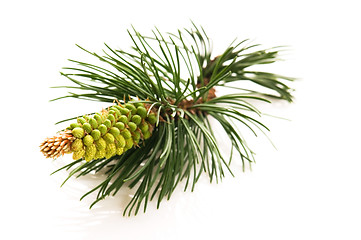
(174, 79)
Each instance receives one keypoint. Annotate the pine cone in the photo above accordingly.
(105, 134)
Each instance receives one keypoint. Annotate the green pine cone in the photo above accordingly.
(111, 132)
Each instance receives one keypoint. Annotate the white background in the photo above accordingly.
(307, 189)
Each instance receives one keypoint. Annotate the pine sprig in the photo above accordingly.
(176, 76)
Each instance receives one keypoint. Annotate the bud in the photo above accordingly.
(119, 125)
(152, 118)
(126, 134)
(110, 150)
(146, 135)
(88, 140)
(78, 154)
(74, 125)
(78, 132)
(117, 112)
(109, 138)
(132, 126)
(90, 152)
(103, 129)
(119, 151)
(144, 127)
(99, 154)
(136, 135)
(77, 145)
(96, 134)
(138, 104)
(142, 112)
(120, 141)
(87, 127)
(93, 123)
(119, 107)
(98, 119)
(131, 107)
(124, 111)
(101, 144)
(81, 120)
(114, 131)
(108, 123)
(111, 118)
(129, 143)
(136, 119)
(123, 119)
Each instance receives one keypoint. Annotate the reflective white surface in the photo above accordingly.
(307, 189)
